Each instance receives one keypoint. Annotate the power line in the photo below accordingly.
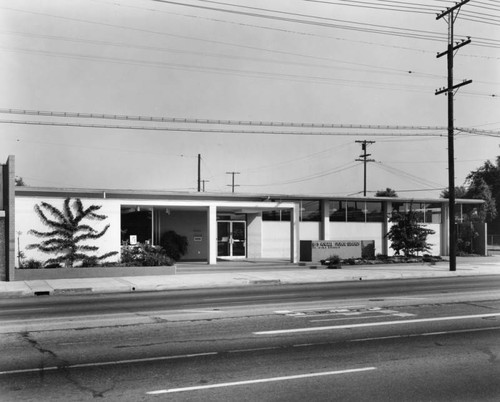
(432, 130)
(217, 131)
(232, 71)
(375, 68)
(158, 119)
(315, 176)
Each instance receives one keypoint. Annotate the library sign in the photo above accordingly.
(323, 249)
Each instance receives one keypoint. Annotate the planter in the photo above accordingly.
(92, 272)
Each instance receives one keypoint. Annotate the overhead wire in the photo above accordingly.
(315, 176)
(406, 175)
(432, 130)
(215, 131)
(157, 119)
(374, 68)
(236, 72)
(393, 31)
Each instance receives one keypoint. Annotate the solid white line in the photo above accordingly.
(110, 363)
(263, 380)
(458, 331)
(373, 324)
(17, 310)
(349, 318)
(254, 349)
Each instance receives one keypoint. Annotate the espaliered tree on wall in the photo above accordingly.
(68, 237)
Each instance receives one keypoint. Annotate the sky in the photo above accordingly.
(247, 85)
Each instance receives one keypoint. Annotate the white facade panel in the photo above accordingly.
(434, 240)
(310, 231)
(27, 219)
(358, 231)
(276, 239)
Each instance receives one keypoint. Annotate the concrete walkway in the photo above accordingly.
(197, 276)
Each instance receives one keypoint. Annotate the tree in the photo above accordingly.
(460, 192)
(19, 181)
(467, 229)
(174, 244)
(489, 173)
(479, 190)
(407, 234)
(388, 192)
(68, 234)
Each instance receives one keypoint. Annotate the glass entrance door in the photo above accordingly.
(231, 239)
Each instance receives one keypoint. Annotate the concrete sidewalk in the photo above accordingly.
(247, 275)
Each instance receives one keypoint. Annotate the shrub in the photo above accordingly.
(407, 234)
(332, 260)
(31, 264)
(49, 264)
(145, 255)
(174, 244)
(368, 251)
(90, 261)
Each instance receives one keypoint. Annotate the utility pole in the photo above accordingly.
(365, 160)
(204, 181)
(451, 15)
(232, 185)
(199, 173)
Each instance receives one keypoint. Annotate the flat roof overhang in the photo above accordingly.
(26, 191)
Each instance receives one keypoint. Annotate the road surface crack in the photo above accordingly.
(61, 365)
(480, 305)
(492, 357)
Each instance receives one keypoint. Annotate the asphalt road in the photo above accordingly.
(394, 340)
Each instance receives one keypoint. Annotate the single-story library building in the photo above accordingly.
(223, 225)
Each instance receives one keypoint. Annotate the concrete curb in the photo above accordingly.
(240, 278)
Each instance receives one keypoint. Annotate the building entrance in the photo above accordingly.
(231, 239)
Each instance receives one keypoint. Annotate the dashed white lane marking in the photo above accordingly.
(259, 381)
(110, 363)
(373, 324)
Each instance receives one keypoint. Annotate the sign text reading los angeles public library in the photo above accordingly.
(317, 250)
(321, 245)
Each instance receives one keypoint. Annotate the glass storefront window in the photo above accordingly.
(399, 207)
(310, 211)
(337, 211)
(276, 215)
(271, 216)
(426, 213)
(355, 211)
(419, 209)
(433, 213)
(458, 213)
(374, 212)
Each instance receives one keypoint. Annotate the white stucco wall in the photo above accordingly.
(310, 230)
(358, 231)
(275, 239)
(435, 239)
(27, 219)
